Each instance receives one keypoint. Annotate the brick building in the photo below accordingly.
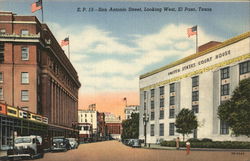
(114, 125)
(35, 73)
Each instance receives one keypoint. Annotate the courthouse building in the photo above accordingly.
(199, 82)
(35, 73)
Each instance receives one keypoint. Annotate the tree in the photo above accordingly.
(236, 111)
(186, 122)
(130, 127)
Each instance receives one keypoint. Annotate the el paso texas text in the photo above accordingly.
(144, 9)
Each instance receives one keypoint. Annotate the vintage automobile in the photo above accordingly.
(73, 143)
(26, 146)
(135, 143)
(60, 144)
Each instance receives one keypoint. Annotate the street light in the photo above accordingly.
(145, 120)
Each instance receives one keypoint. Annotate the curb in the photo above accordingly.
(198, 149)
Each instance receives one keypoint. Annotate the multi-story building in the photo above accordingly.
(200, 82)
(101, 125)
(35, 73)
(130, 109)
(88, 116)
(113, 123)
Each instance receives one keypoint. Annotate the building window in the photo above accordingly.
(25, 95)
(162, 102)
(161, 129)
(162, 90)
(2, 31)
(152, 116)
(152, 92)
(145, 95)
(172, 100)
(152, 130)
(1, 93)
(195, 81)
(152, 104)
(171, 88)
(224, 89)
(1, 52)
(195, 133)
(195, 95)
(161, 114)
(24, 77)
(171, 113)
(86, 120)
(25, 53)
(24, 32)
(195, 109)
(224, 128)
(171, 129)
(245, 67)
(225, 73)
(1, 77)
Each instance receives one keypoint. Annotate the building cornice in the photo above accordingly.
(196, 72)
(19, 22)
(196, 55)
(64, 66)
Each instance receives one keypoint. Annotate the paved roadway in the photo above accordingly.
(116, 151)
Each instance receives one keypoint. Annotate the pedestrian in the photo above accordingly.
(188, 147)
(177, 143)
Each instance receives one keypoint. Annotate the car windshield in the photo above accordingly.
(71, 139)
(22, 140)
(58, 140)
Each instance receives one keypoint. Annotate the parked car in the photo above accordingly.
(126, 141)
(135, 143)
(60, 144)
(73, 143)
(26, 146)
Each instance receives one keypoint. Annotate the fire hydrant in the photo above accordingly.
(188, 147)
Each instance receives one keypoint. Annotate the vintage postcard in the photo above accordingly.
(112, 80)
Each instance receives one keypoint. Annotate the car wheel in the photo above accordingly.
(32, 154)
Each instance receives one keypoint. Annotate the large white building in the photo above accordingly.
(200, 82)
(88, 116)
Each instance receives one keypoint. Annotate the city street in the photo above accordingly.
(116, 151)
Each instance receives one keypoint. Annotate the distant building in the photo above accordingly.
(88, 116)
(85, 131)
(101, 124)
(131, 109)
(199, 82)
(113, 124)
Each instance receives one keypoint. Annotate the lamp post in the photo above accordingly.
(145, 120)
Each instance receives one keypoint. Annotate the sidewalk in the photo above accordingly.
(157, 146)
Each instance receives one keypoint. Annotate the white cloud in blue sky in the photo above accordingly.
(112, 74)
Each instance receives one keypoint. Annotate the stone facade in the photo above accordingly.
(200, 82)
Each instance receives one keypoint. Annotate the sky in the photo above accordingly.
(111, 49)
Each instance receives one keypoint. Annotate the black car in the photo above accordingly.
(60, 144)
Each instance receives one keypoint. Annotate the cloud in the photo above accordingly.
(98, 55)
(92, 40)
